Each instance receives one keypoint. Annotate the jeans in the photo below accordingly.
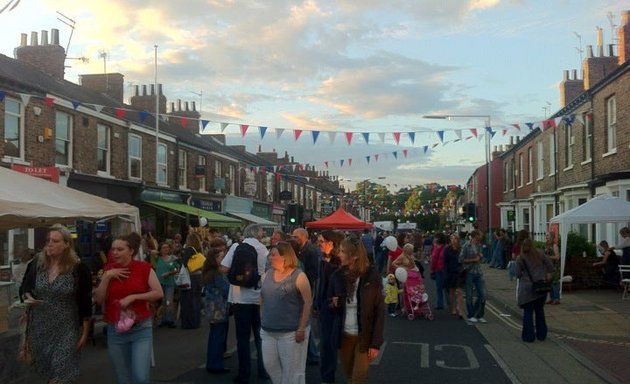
(554, 294)
(355, 364)
(285, 359)
(214, 357)
(476, 309)
(312, 354)
(167, 304)
(328, 352)
(391, 308)
(380, 260)
(439, 289)
(246, 321)
(539, 331)
(130, 352)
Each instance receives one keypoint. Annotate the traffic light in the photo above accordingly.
(292, 214)
(471, 212)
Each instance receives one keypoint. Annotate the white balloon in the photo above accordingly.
(401, 274)
(390, 243)
(203, 221)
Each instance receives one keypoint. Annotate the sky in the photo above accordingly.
(338, 67)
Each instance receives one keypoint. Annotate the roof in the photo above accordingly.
(340, 219)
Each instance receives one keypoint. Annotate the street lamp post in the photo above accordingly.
(488, 138)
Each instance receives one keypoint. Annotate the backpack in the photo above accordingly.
(244, 268)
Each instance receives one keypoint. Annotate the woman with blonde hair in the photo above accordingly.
(190, 299)
(532, 265)
(356, 291)
(58, 289)
(285, 309)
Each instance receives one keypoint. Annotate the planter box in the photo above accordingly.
(583, 272)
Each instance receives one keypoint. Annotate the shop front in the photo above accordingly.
(249, 211)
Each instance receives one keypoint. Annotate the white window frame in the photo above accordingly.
(135, 156)
(530, 165)
(611, 124)
(182, 169)
(587, 138)
(19, 116)
(161, 162)
(540, 160)
(521, 179)
(67, 141)
(201, 160)
(232, 178)
(568, 146)
(552, 157)
(103, 147)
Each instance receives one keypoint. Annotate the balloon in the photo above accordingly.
(390, 243)
(203, 221)
(401, 274)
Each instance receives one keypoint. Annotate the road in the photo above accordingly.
(446, 349)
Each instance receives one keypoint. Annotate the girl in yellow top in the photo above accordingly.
(391, 295)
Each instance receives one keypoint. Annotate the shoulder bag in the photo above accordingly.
(538, 286)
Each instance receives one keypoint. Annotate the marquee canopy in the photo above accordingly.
(340, 219)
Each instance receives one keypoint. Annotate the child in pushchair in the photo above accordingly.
(415, 297)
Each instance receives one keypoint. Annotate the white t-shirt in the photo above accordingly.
(241, 295)
(351, 323)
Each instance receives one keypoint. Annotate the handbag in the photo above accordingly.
(183, 278)
(539, 286)
(196, 261)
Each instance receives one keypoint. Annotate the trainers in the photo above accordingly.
(472, 319)
(482, 320)
(392, 315)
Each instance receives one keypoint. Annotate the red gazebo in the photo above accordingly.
(340, 219)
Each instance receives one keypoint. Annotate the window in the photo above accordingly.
(63, 139)
(135, 157)
(506, 175)
(102, 148)
(530, 163)
(552, 154)
(13, 129)
(181, 168)
(540, 160)
(587, 137)
(162, 164)
(568, 145)
(202, 178)
(525, 223)
(512, 175)
(520, 170)
(232, 179)
(218, 168)
(611, 124)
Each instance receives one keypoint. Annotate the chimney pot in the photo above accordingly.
(136, 90)
(23, 40)
(152, 89)
(54, 36)
(160, 89)
(194, 106)
(172, 106)
(34, 39)
(44, 37)
(179, 105)
(144, 89)
(575, 74)
(589, 51)
(565, 75)
(611, 50)
(186, 104)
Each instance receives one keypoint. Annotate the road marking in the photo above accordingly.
(474, 363)
(504, 317)
(508, 372)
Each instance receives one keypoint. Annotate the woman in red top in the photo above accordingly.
(127, 286)
(437, 268)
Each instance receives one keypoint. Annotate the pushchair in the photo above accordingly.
(415, 297)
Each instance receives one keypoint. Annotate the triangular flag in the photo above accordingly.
(474, 131)
(120, 113)
(244, 128)
(435, 145)
(3, 94)
(426, 147)
(262, 131)
(381, 136)
(49, 101)
(504, 132)
(580, 119)
(530, 126)
(97, 107)
(395, 155)
(349, 162)
(326, 164)
(223, 126)
(366, 137)
(405, 153)
(341, 162)
(26, 98)
(183, 121)
(143, 115)
(279, 132)
(315, 135)
(349, 137)
(297, 133)
(331, 136)
(376, 157)
(458, 133)
(517, 126)
(557, 120)
(204, 124)
(396, 137)
(75, 104)
(549, 123)
(441, 135)
(367, 158)
(412, 137)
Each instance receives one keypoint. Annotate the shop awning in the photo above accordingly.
(214, 219)
(254, 219)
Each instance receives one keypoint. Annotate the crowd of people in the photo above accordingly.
(278, 289)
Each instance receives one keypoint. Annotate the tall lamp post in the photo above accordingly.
(488, 138)
(367, 217)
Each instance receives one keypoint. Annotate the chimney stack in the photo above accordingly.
(570, 87)
(110, 84)
(49, 58)
(600, 42)
(146, 101)
(623, 37)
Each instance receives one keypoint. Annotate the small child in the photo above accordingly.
(391, 295)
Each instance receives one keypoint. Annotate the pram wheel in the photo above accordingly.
(411, 316)
(429, 317)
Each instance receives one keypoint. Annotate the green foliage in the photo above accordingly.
(539, 244)
(578, 244)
